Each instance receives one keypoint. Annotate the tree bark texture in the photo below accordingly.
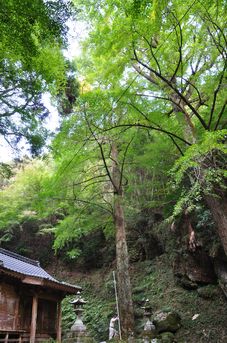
(218, 207)
(123, 277)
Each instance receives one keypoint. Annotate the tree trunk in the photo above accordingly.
(218, 207)
(123, 277)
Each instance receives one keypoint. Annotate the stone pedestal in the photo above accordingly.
(78, 332)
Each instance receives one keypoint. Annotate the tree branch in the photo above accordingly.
(149, 127)
(90, 203)
(152, 53)
(216, 94)
(101, 151)
(180, 44)
(181, 96)
(90, 179)
(177, 145)
(220, 115)
(123, 162)
(94, 183)
(146, 76)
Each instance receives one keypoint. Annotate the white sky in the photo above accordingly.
(77, 32)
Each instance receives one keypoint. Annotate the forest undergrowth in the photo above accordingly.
(153, 280)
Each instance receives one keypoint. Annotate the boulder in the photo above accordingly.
(221, 271)
(185, 282)
(167, 337)
(194, 269)
(208, 292)
(165, 321)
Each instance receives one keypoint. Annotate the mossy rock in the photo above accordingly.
(208, 292)
(167, 321)
(167, 337)
(149, 335)
(186, 283)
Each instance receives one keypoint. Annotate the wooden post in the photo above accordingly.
(6, 338)
(34, 318)
(16, 313)
(58, 324)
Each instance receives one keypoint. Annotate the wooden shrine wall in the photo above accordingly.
(16, 309)
(9, 307)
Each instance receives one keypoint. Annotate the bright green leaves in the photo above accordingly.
(22, 198)
(162, 66)
(51, 66)
(25, 26)
(168, 45)
(211, 144)
(31, 63)
(204, 164)
(153, 85)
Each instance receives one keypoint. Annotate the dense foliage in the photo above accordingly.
(147, 134)
(31, 62)
(134, 94)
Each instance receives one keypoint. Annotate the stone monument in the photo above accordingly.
(78, 331)
(149, 331)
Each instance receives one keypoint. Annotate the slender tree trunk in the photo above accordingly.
(218, 207)
(123, 277)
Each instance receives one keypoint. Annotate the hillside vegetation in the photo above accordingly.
(134, 179)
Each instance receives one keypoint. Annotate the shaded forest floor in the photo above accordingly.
(151, 280)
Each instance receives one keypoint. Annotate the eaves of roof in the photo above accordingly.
(43, 282)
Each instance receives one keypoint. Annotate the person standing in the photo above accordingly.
(113, 333)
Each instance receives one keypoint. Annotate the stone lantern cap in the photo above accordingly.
(78, 301)
(147, 307)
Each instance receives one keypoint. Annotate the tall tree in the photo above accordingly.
(124, 284)
(170, 60)
(97, 182)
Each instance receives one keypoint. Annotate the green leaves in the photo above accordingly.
(29, 25)
(197, 154)
(22, 198)
(163, 71)
(153, 85)
(31, 63)
(204, 164)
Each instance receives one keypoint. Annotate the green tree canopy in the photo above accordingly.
(167, 61)
(31, 62)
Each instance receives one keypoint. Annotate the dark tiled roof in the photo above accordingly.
(23, 265)
(28, 267)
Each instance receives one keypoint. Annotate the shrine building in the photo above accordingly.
(30, 300)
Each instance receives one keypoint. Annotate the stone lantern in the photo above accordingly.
(78, 304)
(78, 331)
(149, 328)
